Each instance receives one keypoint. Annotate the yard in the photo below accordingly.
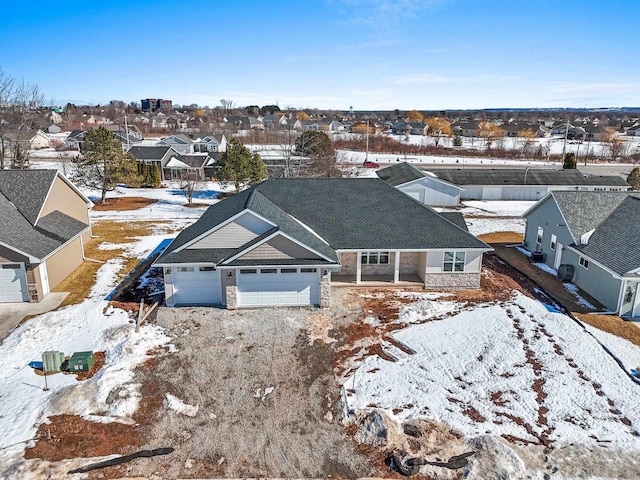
(297, 392)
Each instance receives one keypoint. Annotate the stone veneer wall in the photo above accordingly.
(230, 291)
(325, 290)
(452, 280)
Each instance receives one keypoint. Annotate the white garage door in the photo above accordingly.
(278, 286)
(196, 286)
(13, 283)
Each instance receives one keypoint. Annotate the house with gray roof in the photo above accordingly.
(191, 165)
(287, 241)
(524, 183)
(592, 239)
(423, 186)
(44, 224)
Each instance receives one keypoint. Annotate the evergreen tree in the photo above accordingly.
(103, 164)
(634, 178)
(457, 139)
(240, 167)
(569, 161)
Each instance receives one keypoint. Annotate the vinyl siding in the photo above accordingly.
(234, 234)
(63, 199)
(61, 264)
(278, 247)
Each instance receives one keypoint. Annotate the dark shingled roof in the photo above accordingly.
(534, 176)
(22, 193)
(456, 218)
(149, 152)
(400, 174)
(615, 243)
(27, 189)
(584, 211)
(345, 213)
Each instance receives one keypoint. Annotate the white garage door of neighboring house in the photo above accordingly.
(13, 283)
(196, 286)
(278, 286)
(491, 193)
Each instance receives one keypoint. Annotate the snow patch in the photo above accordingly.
(174, 403)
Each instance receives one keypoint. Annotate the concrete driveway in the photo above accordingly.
(11, 314)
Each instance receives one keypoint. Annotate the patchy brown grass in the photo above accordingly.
(124, 203)
(196, 205)
(79, 283)
(501, 237)
(612, 324)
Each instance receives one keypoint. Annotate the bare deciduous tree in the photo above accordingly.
(614, 147)
(227, 104)
(19, 104)
(190, 183)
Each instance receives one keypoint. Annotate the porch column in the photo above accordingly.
(396, 268)
(358, 268)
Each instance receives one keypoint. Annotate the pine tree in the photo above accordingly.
(569, 161)
(457, 139)
(240, 167)
(103, 164)
(634, 178)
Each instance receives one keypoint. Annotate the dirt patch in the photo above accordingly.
(197, 205)
(501, 237)
(70, 436)
(318, 327)
(612, 324)
(124, 203)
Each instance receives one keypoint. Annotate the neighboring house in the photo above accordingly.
(466, 128)
(423, 186)
(210, 143)
(543, 131)
(54, 129)
(158, 155)
(39, 140)
(127, 135)
(633, 131)
(179, 142)
(523, 183)
(45, 222)
(310, 126)
(284, 241)
(180, 166)
(593, 239)
(594, 132)
(75, 139)
(244, 122)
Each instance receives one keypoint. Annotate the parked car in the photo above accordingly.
(371, 165)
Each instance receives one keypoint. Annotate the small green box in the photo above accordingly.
(51, 361)
(80, 362)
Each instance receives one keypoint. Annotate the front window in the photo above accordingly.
(453, 261)
(540, 233)
(554, 240)
(374, 258)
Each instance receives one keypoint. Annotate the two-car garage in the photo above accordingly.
(255, 287)
(286, 286)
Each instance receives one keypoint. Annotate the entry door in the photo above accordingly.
(558, 258)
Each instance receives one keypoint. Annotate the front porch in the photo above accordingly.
(404, 280)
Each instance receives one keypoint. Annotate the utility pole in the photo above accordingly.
(126, 131)
(564, 146)
(366, 156)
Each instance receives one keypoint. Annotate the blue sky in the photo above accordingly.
(376, 54)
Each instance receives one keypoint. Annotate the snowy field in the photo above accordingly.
(512, 370)
(90, 325)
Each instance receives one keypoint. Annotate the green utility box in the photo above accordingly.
(51, 361)
(80, 362)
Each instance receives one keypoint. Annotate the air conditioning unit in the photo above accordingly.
(537, 257)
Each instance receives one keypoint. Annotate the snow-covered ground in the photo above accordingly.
(514, 370)
(90, 325)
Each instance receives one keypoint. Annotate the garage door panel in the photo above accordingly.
(195, 287)
(13, 283)
(260, 289)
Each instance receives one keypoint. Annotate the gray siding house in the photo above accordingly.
(595, 235)
(285, 241)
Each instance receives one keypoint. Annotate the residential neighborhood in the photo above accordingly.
(323, 240)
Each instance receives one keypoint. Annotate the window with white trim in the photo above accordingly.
(308, 270)
(552, 244)
(584, 263)
(453, 261)
(540, 234)
(248, 271)
(374, 258)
